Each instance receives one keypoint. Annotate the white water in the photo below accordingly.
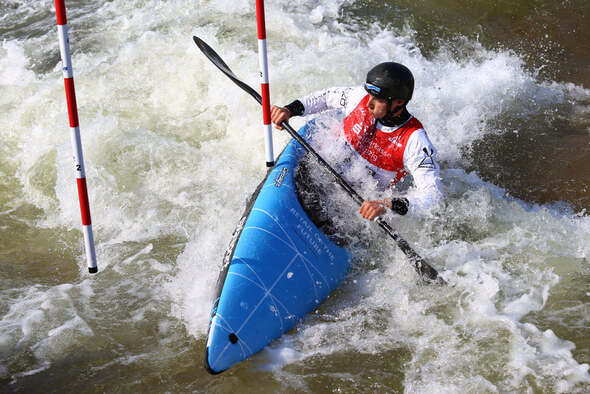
(173, 149)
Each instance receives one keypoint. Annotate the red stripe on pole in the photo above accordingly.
(84, 204)
(265, 103)
(260, 19)
(60, 12)
(71, 100)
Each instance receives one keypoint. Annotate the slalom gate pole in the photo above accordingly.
(264, 86)
(66, 62)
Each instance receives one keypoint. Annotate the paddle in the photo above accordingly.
(424, 269)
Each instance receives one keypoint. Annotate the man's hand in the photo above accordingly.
(371, 209)
(279, 115)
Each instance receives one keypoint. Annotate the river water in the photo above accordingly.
(173, 149)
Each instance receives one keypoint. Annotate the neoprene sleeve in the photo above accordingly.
(400, 205)
(296, 108)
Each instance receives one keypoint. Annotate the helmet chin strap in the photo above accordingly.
(389, 119)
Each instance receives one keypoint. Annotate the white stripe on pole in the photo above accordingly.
(68, 74)
(264, 86)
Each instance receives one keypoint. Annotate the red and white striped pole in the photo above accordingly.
(66, 62)
(264, 87)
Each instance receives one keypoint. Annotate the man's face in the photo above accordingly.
(378, 107)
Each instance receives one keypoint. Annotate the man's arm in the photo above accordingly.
(420, 161)
(331, 98)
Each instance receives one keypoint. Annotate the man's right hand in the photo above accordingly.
(279, 115)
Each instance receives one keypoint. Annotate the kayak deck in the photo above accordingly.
(279, 267)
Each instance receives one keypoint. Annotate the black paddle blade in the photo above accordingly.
(425, 270)
(220, 64)
(212, 55)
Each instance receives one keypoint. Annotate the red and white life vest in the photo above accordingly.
(381, 149)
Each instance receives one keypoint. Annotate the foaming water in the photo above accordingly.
(172, 151)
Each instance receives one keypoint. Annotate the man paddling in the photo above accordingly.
(383, 134)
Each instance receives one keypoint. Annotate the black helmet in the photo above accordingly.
(390, 81)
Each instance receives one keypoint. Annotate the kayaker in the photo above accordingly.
(383, 134)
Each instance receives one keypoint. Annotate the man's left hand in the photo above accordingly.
(371, 209)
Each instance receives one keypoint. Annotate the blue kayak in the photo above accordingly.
(278, 268)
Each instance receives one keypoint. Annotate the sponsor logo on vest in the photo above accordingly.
(395, 140)
(357, 128)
